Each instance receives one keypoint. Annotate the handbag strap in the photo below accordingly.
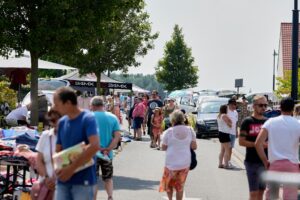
(50, 138)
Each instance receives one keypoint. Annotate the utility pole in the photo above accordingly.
(274, 57)
(295, 55)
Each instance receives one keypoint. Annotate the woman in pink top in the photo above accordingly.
(177, 141)
(138, 118)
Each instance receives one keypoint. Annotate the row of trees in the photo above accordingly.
(147, 82)
(91, 35)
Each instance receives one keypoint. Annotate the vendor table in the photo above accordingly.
(16, 168)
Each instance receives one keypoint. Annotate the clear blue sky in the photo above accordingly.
(229, 38)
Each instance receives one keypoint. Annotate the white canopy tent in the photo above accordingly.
(24, 62)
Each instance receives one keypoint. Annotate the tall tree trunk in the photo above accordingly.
(98, 74)
(34, 88)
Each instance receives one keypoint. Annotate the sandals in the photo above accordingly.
(221, 166)
(110, 198)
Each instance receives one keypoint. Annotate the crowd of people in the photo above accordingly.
(271, 144)
(99, 128)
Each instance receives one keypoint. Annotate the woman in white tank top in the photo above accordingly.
(177, 142)
(224, 126)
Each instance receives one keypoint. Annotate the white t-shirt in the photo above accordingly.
(233, 115)
(222, 126)
(283, 138)
(178, 139)
(18, 114)
(43, 146)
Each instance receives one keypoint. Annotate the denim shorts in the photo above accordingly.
(254, 171)
(75, 192)
(232, 140)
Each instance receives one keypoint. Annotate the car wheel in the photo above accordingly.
(198, 133)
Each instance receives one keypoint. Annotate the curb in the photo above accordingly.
(239, 157)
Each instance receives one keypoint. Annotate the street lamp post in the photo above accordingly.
(274, 57)
(294, 93)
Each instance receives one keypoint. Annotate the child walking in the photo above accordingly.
(156, 123)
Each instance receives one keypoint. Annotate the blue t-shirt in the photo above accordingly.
(72, 132)
(107, 124)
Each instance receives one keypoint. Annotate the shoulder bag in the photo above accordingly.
(193, 158)
(39, 190)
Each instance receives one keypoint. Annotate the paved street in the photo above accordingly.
(138, 169)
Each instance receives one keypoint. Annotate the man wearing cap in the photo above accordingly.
(233, 115)
(109, 132)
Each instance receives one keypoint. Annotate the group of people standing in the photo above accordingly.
(271, 144)
(71, 125)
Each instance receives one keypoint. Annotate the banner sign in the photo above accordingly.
(109, 85)
(122, 86)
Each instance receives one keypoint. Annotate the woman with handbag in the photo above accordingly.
(45, 186)
(177, 142)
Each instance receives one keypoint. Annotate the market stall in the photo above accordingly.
(17, 159)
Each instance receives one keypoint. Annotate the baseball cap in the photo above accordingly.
(231, 101)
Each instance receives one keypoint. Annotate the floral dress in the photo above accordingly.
(157, 121)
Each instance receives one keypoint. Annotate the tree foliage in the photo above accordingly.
(147, 82)
(175, 70)
(284, 85)
(43, 27)
(118, 40)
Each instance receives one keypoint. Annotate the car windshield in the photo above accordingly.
(51, 84)
(211, 106)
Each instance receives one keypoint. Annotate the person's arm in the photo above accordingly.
(152, 117)
(227, 120)
(91, 149)
(115, 141)
(243, 141)
(259, 145)
(41, 168)
(194, 145)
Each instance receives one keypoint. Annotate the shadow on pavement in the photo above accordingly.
(129, 183)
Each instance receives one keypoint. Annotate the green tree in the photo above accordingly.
(284, 85)
(175, 70)
(43, 27)
(118, 41)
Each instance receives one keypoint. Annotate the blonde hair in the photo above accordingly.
(177, 118)
(258, 97)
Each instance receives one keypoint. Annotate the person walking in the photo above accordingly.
(46, 148)
(76, 126)
(109, 132)
(156, 122)
(152, 104)
(177, 142)
(224, 126)
(249, 131)
(233, 115)
(138, 118)
(283, 134)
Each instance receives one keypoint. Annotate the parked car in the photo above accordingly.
(187, 103)
(207, 112)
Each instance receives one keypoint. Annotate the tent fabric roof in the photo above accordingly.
(92, 77)
(24, 62)
(74, 75)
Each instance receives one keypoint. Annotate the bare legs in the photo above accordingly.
(179, 195)
(224, 154)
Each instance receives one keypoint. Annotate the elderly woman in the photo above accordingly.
(45, 149)
(177, 142)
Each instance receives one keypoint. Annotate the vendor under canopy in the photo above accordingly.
(18, 116)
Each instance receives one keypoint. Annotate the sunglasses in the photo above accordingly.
(262, 105)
